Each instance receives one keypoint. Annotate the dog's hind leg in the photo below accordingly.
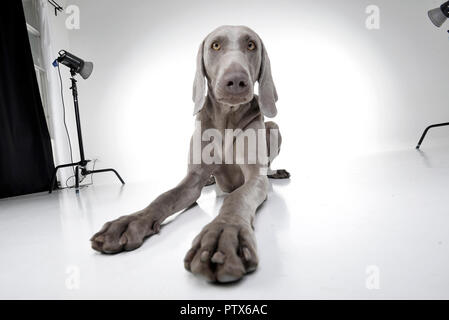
(274, 141)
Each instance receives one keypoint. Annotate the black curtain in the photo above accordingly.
(26, 159)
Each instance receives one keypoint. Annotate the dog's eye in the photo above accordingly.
(251, 45)
(216, 46)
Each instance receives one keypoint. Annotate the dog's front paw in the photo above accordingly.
(223, 252)
(124, 233)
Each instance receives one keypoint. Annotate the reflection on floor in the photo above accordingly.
(375, 227)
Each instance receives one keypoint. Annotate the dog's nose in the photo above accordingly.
(236, 83)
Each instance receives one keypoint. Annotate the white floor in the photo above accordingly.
(375, 227)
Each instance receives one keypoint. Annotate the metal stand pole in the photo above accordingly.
(83, 162)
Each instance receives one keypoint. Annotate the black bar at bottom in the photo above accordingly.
(234, 309)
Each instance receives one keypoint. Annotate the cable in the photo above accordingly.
(65, 124)
(92, 175)
(83, 177)
(67, 182)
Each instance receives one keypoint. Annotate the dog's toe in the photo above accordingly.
(279, 174)
(222, 253)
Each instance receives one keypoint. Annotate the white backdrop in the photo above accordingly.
(343, 90)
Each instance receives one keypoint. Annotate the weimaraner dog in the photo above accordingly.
(231, 59)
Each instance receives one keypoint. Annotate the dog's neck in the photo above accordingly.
(223, 116)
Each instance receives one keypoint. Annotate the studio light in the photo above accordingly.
(439, 15)
(84, 69)
(76, 65)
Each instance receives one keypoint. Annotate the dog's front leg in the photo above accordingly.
(128, 232)
(226, 248)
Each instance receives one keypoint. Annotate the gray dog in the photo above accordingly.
(230, 60)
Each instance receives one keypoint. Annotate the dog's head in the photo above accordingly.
(232, 59)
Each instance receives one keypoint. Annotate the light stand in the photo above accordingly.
(80, 165)
(438, 16)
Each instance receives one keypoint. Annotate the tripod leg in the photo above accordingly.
(427, 129)
(77, 178)
(53, 178)
(422, 137)
(105, 170)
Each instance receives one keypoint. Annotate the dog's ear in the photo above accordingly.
(267, 91)
(199, 84)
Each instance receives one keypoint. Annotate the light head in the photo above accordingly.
(76, 65)
(439, 15)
